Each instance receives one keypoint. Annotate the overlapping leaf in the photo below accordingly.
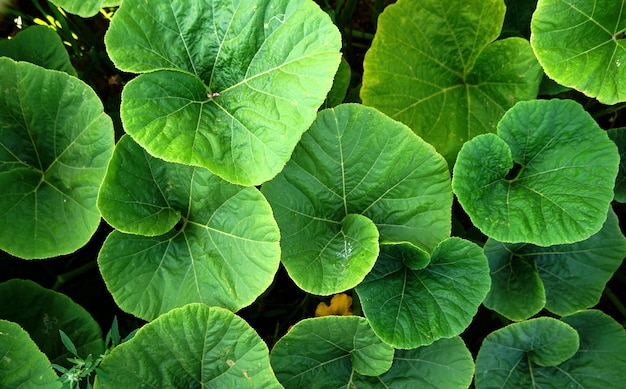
(43, 313)
(618, 135)
(228, 85)
(55, 142)
(188, 236)
(585, 350)
(411, 302)
(547, 178)
(581, 44)
(192, 346)
(328, 352)
(356, 175)
(433, 65)
(22, 364)
(566, 278)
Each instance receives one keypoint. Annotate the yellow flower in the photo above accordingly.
(340, 304)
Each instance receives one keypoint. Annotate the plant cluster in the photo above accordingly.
(467, 166)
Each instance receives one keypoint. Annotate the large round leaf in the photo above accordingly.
(190, 347)
(43, 313)
(224, 250)
(433, 65)
(447, 363)
(356, 174)
(55, 142)
(507, 355)
(547, 177)
(413, 306)
(328, 352)
(573, 275)
(618, 135)
(229, 85)
(22, 365)
(538, 353)
(39, 45)
(580, 44)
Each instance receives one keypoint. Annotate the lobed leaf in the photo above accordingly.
(186, 236)
(435, 67)
(547, 178)
(227, 85)
(410, 306)
(355, 177)
(573, 275)
(328, 352)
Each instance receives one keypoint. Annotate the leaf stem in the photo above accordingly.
(70, 275)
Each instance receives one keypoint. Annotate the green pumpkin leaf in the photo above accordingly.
(618, 135)
(338, 92)
(22, 365)
(218, 243)
(573, 275)
(538, 353)
(584, 47)
(354, 164)
(408, 308)
(447, 363)
(55, 142)
(192, 346)
(43, 313)
(38, 45)
(84, 8)
(548, 178)
(228, 85)
(434, 66)
(327, 352)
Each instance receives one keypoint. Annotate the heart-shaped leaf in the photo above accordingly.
(204, 239)
(38, 45)
(538, 353)
(354, 175)
(573, 275)
(55, 142)
(22, 364)
(192, 346)
(327, 352)
(433, 65)
(229, 85)
(43, 313)
(547, 178)
(408, 307)
(583, 47)
(447, 363)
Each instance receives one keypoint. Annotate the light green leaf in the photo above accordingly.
(189, 347)
(581, 44)
(43, 313)
(618, 135)
(548, 178)
(22, 365)
(513, 356)
(55, 142)
(447, 363)
(38, 45)
(229, 85)
(408, 308)
(224, 250)
(356, 161)
(327, 352)
(573, 275)
(434, 66)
